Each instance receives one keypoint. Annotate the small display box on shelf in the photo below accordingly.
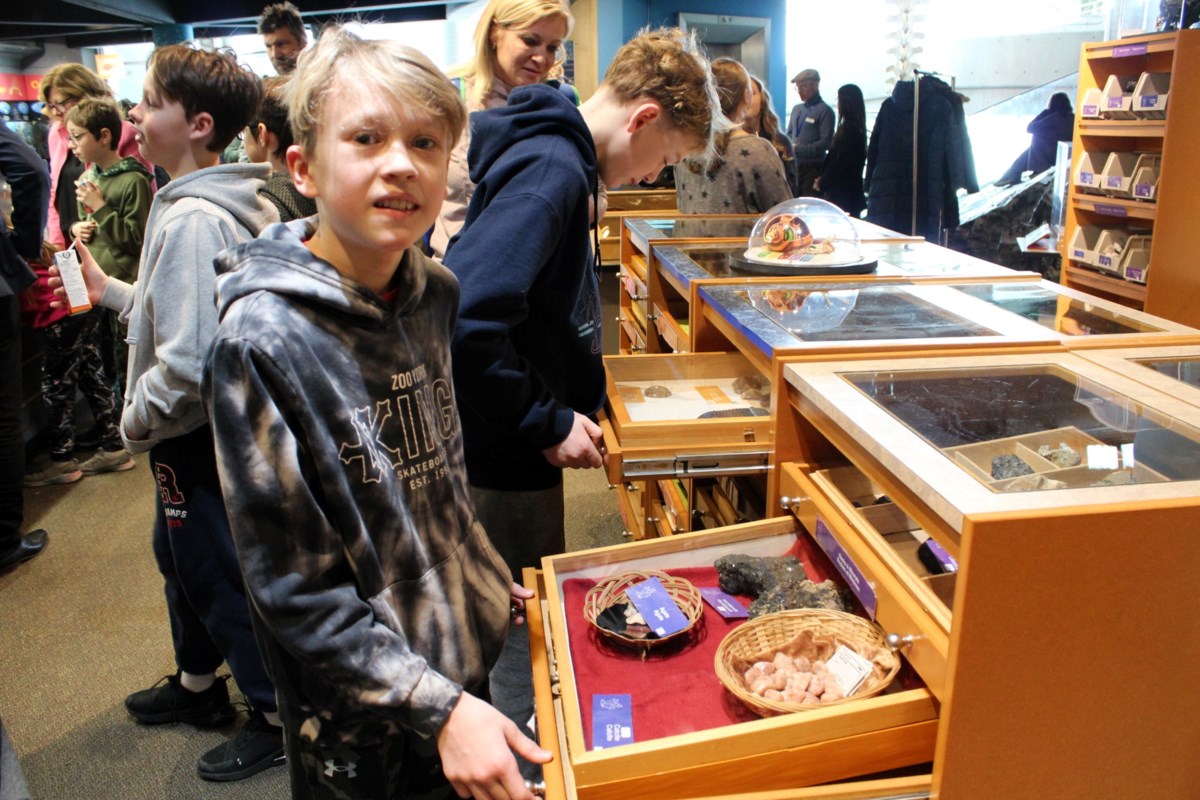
(1040, 474)
(1172, 370)
(684, 734)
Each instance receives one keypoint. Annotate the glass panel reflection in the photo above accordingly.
(1060, 313)
(829, 312)
(1184, 370)
(1036, 428)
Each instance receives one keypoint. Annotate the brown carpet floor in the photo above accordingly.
(85, 623)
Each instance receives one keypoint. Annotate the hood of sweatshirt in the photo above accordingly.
(279, 262)
(126, 164)
(537, 110)
(231, 187)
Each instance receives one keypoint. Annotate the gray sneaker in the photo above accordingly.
(56, 473)
(107, 461)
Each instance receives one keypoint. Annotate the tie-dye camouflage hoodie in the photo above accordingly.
(375, 593)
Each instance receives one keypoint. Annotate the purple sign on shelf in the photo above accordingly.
(1106, 261)
(1113, 183)
(1091, 110)
(1111, 211)
(1149, 100)
(1126, 50)
(1080, 254)
(1143, 189)
(1087, 178)
(1135, 274)
(849, 570)
(1116, 102)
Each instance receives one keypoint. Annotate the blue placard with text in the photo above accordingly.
(845, 565)
(651, 600)
(612, 720)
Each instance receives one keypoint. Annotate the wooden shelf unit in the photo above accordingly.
(1172, 287)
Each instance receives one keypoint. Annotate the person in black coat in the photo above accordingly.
(841, 179)
(1055, 124)
(29, 177)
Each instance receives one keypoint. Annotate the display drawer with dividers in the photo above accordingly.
(691, 736)
(1058, 485)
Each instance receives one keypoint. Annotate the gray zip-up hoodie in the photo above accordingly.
(376, 594)
(171, 309)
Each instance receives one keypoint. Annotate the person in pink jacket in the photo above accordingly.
(62, 87)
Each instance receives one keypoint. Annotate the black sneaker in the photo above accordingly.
(257, 746)
(170, 702)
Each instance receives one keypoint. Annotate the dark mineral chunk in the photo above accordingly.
(1009, 466)
(777, 584)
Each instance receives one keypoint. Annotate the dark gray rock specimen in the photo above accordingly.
(1009, 467)
(777, 583)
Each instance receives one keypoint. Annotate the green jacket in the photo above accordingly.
(121, 221)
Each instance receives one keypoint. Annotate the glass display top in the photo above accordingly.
(1184, 370)
(1036, 427)
(691, 227)
(1072, 316)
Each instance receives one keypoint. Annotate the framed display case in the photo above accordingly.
(629, 202)
(1080, 320)
(1036, 603)
(1172, 370)
(691, 737)
(679, 270)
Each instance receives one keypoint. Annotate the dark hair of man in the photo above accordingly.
(282, 15)
(273, 113)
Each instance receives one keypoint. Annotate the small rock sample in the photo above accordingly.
(1062, 456)
(1009, 466)
(657, 391)
(777, 583)
(1118, 478)
(1034, 483)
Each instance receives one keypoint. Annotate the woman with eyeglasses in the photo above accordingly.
(517, 43)
(62, 88)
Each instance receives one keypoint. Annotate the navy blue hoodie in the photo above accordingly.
(527, 345)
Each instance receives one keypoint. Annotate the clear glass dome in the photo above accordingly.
(804, 232)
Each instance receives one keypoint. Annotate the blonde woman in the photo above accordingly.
(517, 43)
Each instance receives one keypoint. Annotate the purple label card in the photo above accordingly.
(612, 720)
(1106, 261)
(1114, 183)
(1126, 50)
(726, 605)
(1111, 210)
(1143, 190)
(1116, 102)
(1091, 110)
(848, 569)
(1135, 274)
(1149, 100)
(1087, 178)
(651, 600)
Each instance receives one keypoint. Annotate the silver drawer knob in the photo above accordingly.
(896, 642)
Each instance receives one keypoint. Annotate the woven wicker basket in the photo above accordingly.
(762, 637)
(610, 591)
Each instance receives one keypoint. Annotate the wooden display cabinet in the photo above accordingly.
(1037, 607)
(1171, 370)
(640, 286)
(676, 427)
(629, 202)
(1171, 284)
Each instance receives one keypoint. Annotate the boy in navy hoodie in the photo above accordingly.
(378, 601)
(527, 363)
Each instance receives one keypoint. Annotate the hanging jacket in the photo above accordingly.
(376, 594)
(527, 351)
(944, 163)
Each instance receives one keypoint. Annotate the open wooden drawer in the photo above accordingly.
(685, 415)
(893, 730)
(874, 545)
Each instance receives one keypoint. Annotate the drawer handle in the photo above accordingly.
(789, 503)
(896, 642)
(536, 788)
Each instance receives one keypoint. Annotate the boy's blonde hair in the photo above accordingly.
(667, 66)
(209, 81)
(512, 15)
(97, 114)
(375, 65)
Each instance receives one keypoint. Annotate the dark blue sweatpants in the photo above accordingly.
(206, 597)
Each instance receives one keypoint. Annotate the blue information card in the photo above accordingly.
(651, 600)
(726, 605)
(612, 720)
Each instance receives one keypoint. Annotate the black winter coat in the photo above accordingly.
(842, 176)
(944, 160)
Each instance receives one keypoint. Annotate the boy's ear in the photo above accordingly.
(106, 138)
(300, 167)
(642, 115)
(201, 127)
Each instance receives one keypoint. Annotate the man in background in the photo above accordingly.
(283, 35)
(810, 129)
